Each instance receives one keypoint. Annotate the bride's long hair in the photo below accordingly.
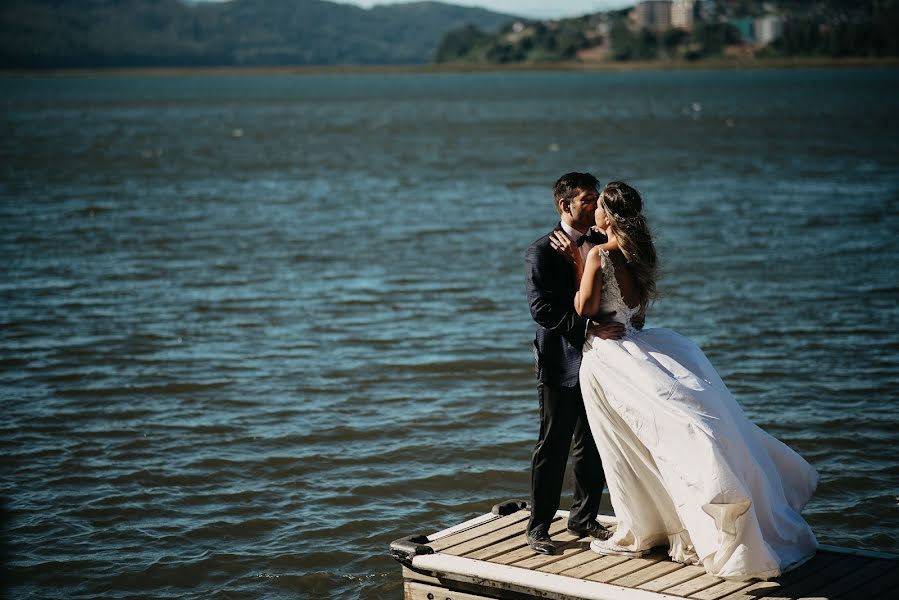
(624, 207)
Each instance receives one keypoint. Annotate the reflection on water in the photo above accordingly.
(253, 329)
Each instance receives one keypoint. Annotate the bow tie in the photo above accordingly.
(592, 236)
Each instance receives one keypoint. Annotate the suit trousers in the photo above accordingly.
(563, 420)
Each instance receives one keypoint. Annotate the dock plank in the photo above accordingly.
(475, 532)
(648, 574)
(809, 586)
(721, 590)
(672, 579)
(879, 586)
(566, 545)
(596, 565)
(753, 592)
(523, 550)
(762, 588)
(487, 553)
(848, 584)
(694, 585)
(569, 562)
(488, 539)
(626, 568)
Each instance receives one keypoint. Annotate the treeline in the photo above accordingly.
(127, 33)
(516, 42)
(564, 40)
(704, 41)
(811, 37)
(835, 28)
(800, 37)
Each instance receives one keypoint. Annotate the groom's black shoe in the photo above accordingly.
(540, 542)
(591, 529)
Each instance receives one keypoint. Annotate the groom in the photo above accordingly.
(550, 284)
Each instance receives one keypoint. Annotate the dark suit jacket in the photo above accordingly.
(549, 281)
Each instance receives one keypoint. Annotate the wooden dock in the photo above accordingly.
(488, 557)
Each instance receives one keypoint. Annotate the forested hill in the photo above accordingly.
(716, 28)
(127, 33)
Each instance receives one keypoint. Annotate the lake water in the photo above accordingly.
(255, 328)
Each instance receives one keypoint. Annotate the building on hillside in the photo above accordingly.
(654, 15)
(682, 14)
(768, 29)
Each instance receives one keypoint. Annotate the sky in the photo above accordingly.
(536, 9)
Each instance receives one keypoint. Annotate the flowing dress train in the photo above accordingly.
(684, 466)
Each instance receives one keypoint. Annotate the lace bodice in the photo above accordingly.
(611, 299)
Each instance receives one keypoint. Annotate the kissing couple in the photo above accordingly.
(643, 411)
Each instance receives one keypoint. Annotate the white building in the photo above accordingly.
(768, 29)
(682, 14)
(652, 14)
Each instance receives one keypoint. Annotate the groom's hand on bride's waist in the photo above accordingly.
(605, 328)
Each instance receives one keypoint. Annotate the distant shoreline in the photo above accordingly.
(717, 64)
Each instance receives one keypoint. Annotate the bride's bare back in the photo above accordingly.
(630, 292)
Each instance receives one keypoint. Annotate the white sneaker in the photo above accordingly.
(606, 547)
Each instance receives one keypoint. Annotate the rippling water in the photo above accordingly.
(255, 328)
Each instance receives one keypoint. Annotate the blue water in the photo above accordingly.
(254, 328)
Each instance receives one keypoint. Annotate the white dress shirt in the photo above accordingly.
(573, 234)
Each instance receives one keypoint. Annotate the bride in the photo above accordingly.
(684, 466)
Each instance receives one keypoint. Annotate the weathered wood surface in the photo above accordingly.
(830, 575)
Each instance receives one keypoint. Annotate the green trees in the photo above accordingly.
(712, 38)
(836, 28)
(706, 40)
(516, 42)
(469, 41)
(124, 33)
(623, 41)
(851, 37)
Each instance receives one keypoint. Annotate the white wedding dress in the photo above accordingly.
(684, 465)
